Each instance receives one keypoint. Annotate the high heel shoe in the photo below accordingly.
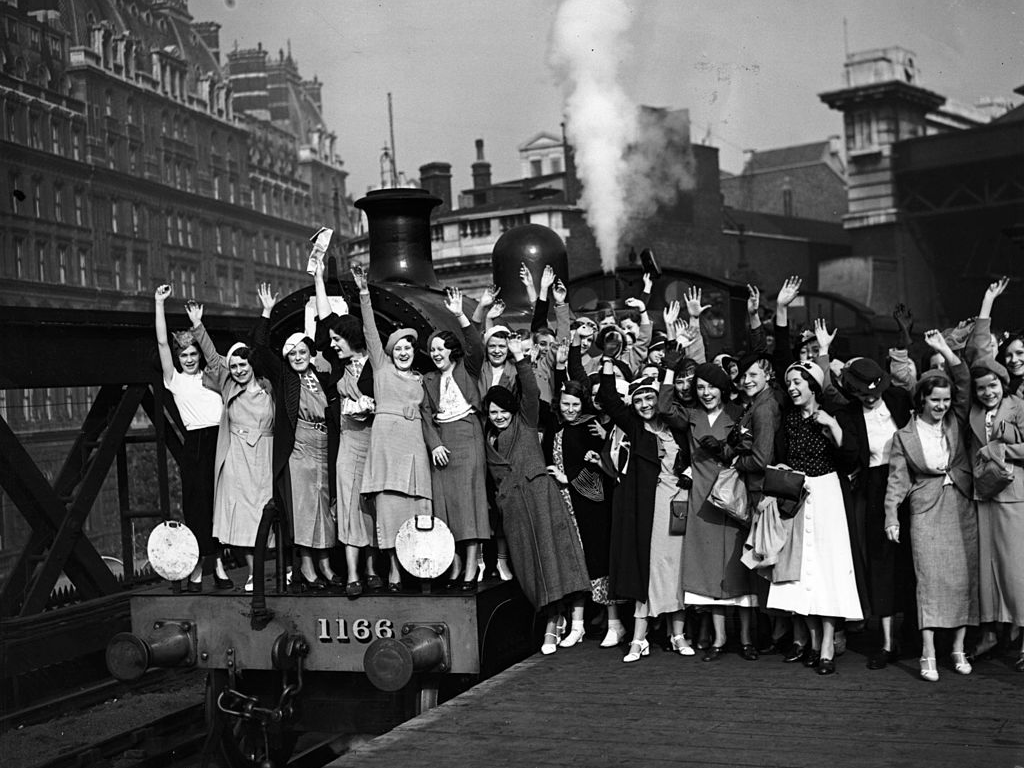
(929, 671)
(811, 658)
(826, 667)
(795, 653)
(311, 585)
(248, 585)
(643, 648)
(481, 569)
(224, 583)
(548, 648)
(681, 645)
(713, 653)
(960, 663)
(503, 570)
(613, 637)
(374, 583)
(575, 637)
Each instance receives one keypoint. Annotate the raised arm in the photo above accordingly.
(671, 411)
(695, 308)
(529, 392)
(783, 346)
(609, 398)
(979, 343)
(162, 344)
(267, 358)
(374, 346)
(526, 278)
(562, 316)
(323, 306)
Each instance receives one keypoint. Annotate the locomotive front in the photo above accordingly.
(280, 663)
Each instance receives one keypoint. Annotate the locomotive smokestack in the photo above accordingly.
(399, 224)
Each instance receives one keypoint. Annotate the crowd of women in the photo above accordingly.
(613, 463)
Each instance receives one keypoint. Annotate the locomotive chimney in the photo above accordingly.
(481, 168)
(399, 225)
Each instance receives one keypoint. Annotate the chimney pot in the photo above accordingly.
(479, 149)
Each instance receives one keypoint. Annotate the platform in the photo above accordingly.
(583, 707)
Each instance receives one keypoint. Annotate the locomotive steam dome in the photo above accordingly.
(536, 246)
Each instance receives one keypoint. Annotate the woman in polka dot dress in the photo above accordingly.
(826, 589)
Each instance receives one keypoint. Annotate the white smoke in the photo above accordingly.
(588, 42)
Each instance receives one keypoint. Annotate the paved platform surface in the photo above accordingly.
(583, 707)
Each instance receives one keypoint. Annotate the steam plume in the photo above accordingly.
(587, 44)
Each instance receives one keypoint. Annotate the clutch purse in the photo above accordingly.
(783, 483)
(679, 509)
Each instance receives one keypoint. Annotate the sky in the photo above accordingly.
(749, 71)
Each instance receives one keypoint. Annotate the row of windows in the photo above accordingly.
(35, 260)
(44, 405)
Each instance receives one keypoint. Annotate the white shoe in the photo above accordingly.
(248, 584)
(481, 568)
(929, 671)
(961, 664)
(575, 637)
(682, 646)
(548, 648)
(503, 570)
(614, 637)
(643, 648)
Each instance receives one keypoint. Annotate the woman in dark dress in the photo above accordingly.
(542, 539)
(573, 451)
(300, 460)
(451, 427)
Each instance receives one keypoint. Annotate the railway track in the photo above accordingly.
(160, 743)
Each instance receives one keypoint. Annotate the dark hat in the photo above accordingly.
(603, 338)
(715, 376)
(644, 383)
(865, 377)
(658, 340)
(753, 357)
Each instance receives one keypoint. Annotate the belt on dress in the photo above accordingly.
(410, 412)
(247, 433)
(319, 426)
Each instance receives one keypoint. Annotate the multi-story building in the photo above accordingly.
(132, 154)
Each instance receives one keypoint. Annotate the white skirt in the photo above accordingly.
(827, 586)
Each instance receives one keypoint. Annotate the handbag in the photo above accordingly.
(991, 472)
(729, 494)
(679, 509)
(783, 483)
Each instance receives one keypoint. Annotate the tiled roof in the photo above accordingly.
(783, 157)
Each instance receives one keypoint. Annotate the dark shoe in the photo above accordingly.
(713, 653)
(374, 583)
(777, 645)
(812, 658)
(795, 653)
(467, 586)
(195, 586)
(880, 659)
(749, 652)
(311, 585)
(826, 667)
(1019, 663)
(394, 586)
(354, 589)
(220, 583)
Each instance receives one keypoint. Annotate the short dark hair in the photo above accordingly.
(351, 330)
(927, 386)
(452, 343)
(543, 331)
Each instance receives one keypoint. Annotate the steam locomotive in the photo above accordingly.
(280, 663)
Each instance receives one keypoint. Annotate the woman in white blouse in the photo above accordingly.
(189, 377)
(929, 465)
